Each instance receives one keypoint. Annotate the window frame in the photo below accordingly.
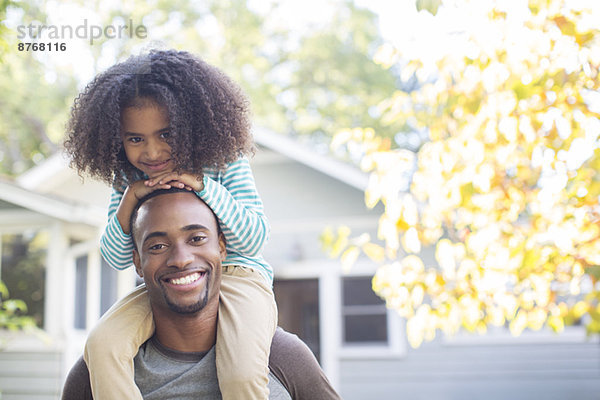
(396, 345)
(361, 310)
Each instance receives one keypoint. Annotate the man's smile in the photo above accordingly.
(184, 280)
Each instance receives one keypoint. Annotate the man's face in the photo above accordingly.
(179, 252)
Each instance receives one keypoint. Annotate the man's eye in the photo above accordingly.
(134, 139)
(156, 247)
(198, 238)
(165, 135)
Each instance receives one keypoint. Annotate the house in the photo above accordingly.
(360, 344)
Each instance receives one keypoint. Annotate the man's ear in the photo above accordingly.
(137, 263)
(222, 247)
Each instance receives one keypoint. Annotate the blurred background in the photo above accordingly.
(429, 169)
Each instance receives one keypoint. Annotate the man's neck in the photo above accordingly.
(188, 333)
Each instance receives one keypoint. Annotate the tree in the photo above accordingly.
(12, 311)
(307, 82)
(505, 189)
(33, 104)
(335, 80)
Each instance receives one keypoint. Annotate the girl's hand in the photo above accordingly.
(131, 196)
(139, 189)
(182, 181)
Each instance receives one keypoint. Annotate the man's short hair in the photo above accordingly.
(158, 192)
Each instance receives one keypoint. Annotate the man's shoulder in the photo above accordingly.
(291, 363)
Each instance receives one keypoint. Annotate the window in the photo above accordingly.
(22, 265)
(298, 305)
(81, 269)
(364, 313)
(108, 286)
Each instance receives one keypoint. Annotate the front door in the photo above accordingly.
(298, 305)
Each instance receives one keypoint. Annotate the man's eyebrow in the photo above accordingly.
(153, 235)
(194, 227)
(191, 227)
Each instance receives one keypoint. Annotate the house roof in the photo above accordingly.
(306, 155)
(55, 167)
(52, 206)
(40, 187)
(47, 172)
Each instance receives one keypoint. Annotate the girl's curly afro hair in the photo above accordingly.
(209, 118)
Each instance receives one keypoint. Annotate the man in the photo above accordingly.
(179, 254)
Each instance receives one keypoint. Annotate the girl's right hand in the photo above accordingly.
(139, 189)
(131, 196)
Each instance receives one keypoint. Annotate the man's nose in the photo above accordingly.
(180, 256)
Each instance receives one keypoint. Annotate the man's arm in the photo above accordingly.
(77, 385)
(294, 364)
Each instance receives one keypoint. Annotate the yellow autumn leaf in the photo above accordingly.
(348, 258)
(340, 138)
(373, 193)
(518, 324)
(410, 241)
(374, 251)
(414, 332)
(556, 323)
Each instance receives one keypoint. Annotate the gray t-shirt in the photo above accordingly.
(163, 373)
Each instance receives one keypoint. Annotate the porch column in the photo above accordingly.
(93, 287)
(330, 324)
(55, 283)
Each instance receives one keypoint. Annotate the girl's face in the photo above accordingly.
(144, 131)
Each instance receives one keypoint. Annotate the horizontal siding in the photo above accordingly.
(492, 372)
(30, 375)
(30, 396)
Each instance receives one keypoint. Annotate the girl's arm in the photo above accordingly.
(115, 245)
(239, 208)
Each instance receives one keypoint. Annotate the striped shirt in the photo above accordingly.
(233, 198)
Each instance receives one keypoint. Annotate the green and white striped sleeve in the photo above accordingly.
(116, 246)
(235, 201)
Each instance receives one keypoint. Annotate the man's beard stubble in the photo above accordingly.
(192, 308)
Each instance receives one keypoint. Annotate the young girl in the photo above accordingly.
(161, 120)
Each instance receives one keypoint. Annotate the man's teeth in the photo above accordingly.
(186, 280)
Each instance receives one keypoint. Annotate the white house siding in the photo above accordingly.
(300, 202)
(30, 372)
(442, 371)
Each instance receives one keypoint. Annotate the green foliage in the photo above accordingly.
(4, 31)
(335, 81)
(13, 312)
(312, 83)
(33, 112)
(23, 259)
(429, 5)
(34, 103)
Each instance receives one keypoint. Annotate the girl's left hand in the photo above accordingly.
(182, 181)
